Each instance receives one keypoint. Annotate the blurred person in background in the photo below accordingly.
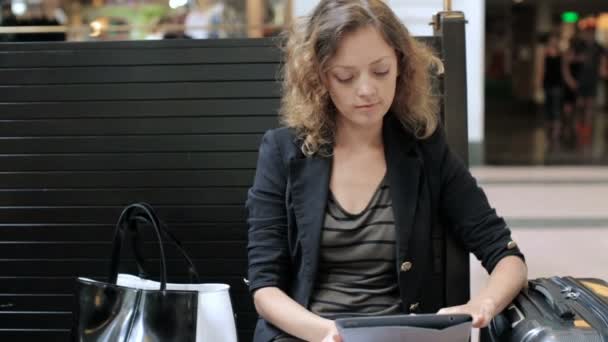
(591, 57)
(549, 80)
(168, 27)
(7, 18)
(571, 65)
(204, 21)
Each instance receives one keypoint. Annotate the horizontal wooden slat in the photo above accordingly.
(35, 320)
(36, 302)
(155, 73)
(142, 44)
(228, 250)
(99, 267)
(143, 108)
(129, 161)
(36, 335)
(61, 321)
(173, 179)
(62, 335)
(99, 232)
(149, 143)
(148, 126)
(90, 57)
(109, 197)
(139, 91)
(108, 215)
(66, 285)
(65, 302)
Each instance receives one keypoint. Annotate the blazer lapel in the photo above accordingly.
(404, 171)
(309, 179)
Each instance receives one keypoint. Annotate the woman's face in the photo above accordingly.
(361, 77)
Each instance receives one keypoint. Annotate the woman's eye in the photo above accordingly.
(382, 72)
(344, 79)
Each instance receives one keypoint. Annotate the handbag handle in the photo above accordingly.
(140, 260)
(119, 236)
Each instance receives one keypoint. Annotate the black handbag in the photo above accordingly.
(108, 312)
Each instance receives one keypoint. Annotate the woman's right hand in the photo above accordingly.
(332, 334)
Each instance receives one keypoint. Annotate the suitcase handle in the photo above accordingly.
(520, 316)
(562, 309)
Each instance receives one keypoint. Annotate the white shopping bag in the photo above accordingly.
(215, 320)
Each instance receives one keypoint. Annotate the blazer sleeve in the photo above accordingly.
(465, 207)
(267, 248)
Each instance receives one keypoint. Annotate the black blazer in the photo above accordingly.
(286, 207)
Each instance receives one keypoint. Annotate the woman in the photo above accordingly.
(549, 79)
(571, 66)
(344, 196)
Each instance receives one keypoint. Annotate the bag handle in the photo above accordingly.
(558, 305)
(119, 235)
(140, 260)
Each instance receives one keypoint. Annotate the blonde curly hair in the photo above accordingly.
(312, 41)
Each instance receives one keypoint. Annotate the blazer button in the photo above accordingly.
(414, 307)
(512, 244)
(406, 266)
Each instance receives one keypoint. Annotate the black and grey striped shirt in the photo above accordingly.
(357, 275)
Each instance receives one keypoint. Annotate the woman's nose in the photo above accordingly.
(366, 87)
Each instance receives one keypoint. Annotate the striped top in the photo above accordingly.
(357, 275)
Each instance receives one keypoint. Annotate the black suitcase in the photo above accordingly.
(555, 309)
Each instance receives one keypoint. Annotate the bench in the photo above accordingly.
(90, 127)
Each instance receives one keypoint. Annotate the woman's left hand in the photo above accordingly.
(482, 311)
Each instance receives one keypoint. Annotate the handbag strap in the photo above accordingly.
(136, 247)
(140, 260)
(119, 235)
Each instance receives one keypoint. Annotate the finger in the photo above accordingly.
(337, 338)
(485, 319)
(444, 311)
(482, 322)
(478, 321)
(486, 315)
(449, 310)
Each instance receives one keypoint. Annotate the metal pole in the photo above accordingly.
(447, 5)
(451, 29)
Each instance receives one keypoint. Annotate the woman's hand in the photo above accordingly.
(332, 334)
(482, 311)
(506, 281)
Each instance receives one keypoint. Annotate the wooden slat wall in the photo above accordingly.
(86, 128)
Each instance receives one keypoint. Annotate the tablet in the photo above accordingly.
(399, 328)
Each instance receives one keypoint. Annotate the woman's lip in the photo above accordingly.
(367, 106)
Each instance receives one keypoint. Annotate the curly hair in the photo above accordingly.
(312, 41)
